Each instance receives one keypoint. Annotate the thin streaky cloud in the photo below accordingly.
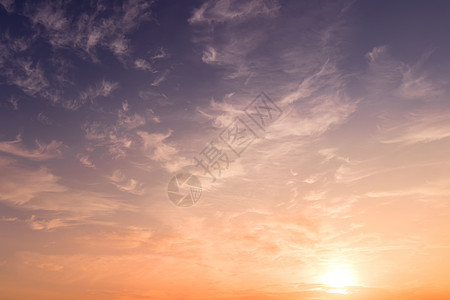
(41, 153)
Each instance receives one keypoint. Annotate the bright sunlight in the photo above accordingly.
(338, 278)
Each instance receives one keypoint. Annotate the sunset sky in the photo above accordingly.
(335, 184)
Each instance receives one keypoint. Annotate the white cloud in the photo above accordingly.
(42, 153)
(85, 161)
(161, 78)
(143, 65)
(230, 15)
(125, 106)
(160, 54)
(416, 127)
(129, 121)
(104, 89)
(158, 149)
(78, 205)
(8, 5)
(28, 77)
(51, 17)
(313, 84)
(43, 118)
(405, 81)
(125, 184)
(416, 83)
(115, 140)
(119, 137)
(6, 219)
(91, 30)
(221, 113)
(376, 53)
(209, 55)
(14, 103)
(231, 10)
(37, 223)
(19, 184)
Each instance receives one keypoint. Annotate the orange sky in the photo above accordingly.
(337, 188)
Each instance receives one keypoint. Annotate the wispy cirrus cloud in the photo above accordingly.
(41, 153)
(118, 137)
(8, 5)
(28, 77)
(236, 11)
(405, 81)
(41, 117)
(105, 88)
(20, 184)
(421, 126)
(113, 139)
(160, 78)
(85, 160)
(143, 65)
(14, 103)
(102, 26)
(230, 14)
(78, 204)
(84, 33)
(102, 89)
(37, 223)
(158, 149)
(125, 184)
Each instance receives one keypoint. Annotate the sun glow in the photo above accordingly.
(338, 279)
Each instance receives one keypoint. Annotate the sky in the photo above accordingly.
(224, 149)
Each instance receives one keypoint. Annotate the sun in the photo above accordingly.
(338, 279)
